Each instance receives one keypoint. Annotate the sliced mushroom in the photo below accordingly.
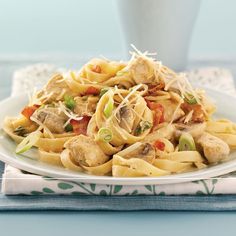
(126, 118)
(195, 130)
(164, 132)
(214, 149)
(144, 151)
(85, 151)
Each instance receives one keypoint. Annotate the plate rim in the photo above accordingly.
(222, 168)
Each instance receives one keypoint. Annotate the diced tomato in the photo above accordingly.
(159, 145)
(29, 111)
(80, 126)
(149, 104)
(92, 91)
(158, 110)
(154, 105)
(96, 69)
(158, 117)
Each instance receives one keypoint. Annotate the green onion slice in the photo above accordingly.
(69, 102)
(186, 142)
(144, 125)
(190, 99)
(108, 108)
(103, 91)
(28, 142)
(105, 135)
(69, 128)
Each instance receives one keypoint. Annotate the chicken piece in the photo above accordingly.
(214, 149)
(196, 130)
(142, 70)
(126, 118)
(86, 151)
(164, 132)
(85, 106)
(55, 90)
(145, 151)
(169, 109)
(52, 118)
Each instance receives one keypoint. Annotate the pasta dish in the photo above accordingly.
(124, 119)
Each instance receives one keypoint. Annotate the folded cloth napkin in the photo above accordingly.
(16, 181)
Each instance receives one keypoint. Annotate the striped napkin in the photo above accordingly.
(16, 181)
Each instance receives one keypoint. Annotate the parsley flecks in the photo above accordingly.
(190, 99)
(69, 128)
(103, 91)
(69, 102)
(143, 125)
(21, 131)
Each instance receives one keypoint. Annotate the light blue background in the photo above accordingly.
(91, 27)
(142, 223)
(118, 224)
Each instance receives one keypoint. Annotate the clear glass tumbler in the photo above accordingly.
(161, 26)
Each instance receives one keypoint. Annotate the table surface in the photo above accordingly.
(117, 223)
(112, 223)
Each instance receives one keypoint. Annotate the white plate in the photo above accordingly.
(12, 106)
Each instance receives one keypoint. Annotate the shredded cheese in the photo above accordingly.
(121, 132)
(61, 95)
(67, 122)
(195, 95)
(32, 98)
(157, 71)
(167, 85)
(188, 117)
(174, 114)
(125, 100)
(42, 125)
(127, 126)
(68, 112)
(138, 115)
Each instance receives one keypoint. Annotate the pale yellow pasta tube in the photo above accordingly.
(70, 164)
(46, 144)
(184, 156)
(221, 127)
(172, 166)
(230, 139)
(124, 171)
(103, 169)
(52, 158)
(100, 70)
(139, 165)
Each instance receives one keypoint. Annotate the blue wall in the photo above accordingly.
(91, 27)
